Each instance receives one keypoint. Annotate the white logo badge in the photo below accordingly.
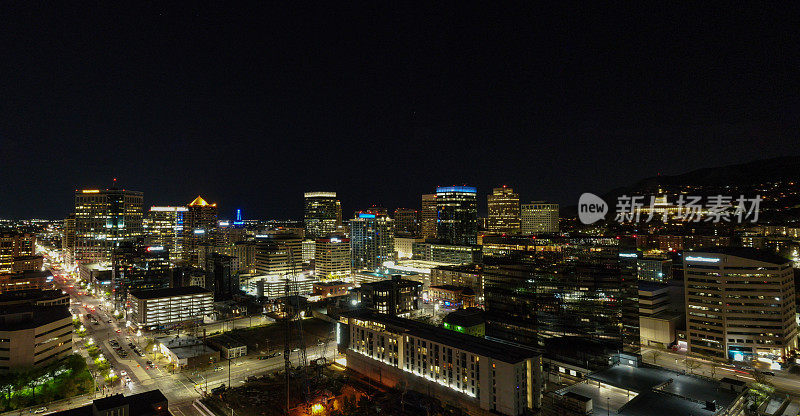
(591, 208)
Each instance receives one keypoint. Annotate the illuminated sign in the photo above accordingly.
(91, 191)
(200, 231)
(155, 248)
(459, 189)
(169, 209)
(362, 215)
(630, 255)
(224, 223)
(335, 240)
(320, 194)
(703, 259)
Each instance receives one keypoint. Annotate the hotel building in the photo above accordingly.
(539, 217)
(481, 376)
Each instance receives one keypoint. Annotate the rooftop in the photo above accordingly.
(200, 202)
(465, 317)
(168, 292)
(500, 351)
(743, 252)
(227, 341)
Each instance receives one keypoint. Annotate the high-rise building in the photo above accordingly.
(371, 240)
(68, 240)
(457, 211)
(138, 268)
(165, 229)
(407, 222)
(221, 279)
(539, 217)
(15, 245)
(199, 230)
(279, 254)
(322, 214)
(332, 258)
(428, 217)
(504, 216)
(740, 303)
(105, 219)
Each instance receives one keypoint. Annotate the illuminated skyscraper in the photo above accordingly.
(166, 229)
(539, 217)
(15, 245)
(406, 222)
(68, 240)
(332, 258)
(503, 206)
(103, 220)
(199, 230)
(371, 240)
(322, 214)
(428, 216)
(457, 214)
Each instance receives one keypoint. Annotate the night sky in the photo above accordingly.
(250, 106)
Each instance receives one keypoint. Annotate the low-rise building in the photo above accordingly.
(323, 290)
(159, 308)
(452, 297)
(27, 263)
(228, 346)
(468, 321)
(186, 351)
(476, 374)
(447, 253)
(33, 336)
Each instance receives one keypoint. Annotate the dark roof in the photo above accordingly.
(167, 292)
(388, 283)
(226, 341)
(110, 402)
(577, 396)
(138, 404)
(504, 352)
(331, 283)
(465, 317)
(18, 317)
(744, 252)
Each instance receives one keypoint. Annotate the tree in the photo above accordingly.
(691, 365)
(655, 353)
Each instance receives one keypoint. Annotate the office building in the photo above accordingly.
(170, 307)
(221, 279)
(34, 297)
(457, 210)
(395, 296)
(165, 229)
(15, 245)
(475, 374)
(539, 217)
(407, 222)
(332, 258)
(27, 264)
(404, 246)
(740, 303)
(278, 254)
(199, 230)
(138, 268)
(428, 217)
(659, 316)
(504, 214)
(309, 249)
(104, 220)
(31, 280)
(68, 240)
(244, 257)
(322, 214)
(33, 336)
(371, 240)
(275, 286)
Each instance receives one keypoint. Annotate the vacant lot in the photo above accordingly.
(272, 336)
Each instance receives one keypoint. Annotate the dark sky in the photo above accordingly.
(250, 106)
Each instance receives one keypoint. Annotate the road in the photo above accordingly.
(667, 359)
(181, 388)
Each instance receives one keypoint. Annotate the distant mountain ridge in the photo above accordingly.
(738, 175)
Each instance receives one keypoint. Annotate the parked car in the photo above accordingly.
(40, 410)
